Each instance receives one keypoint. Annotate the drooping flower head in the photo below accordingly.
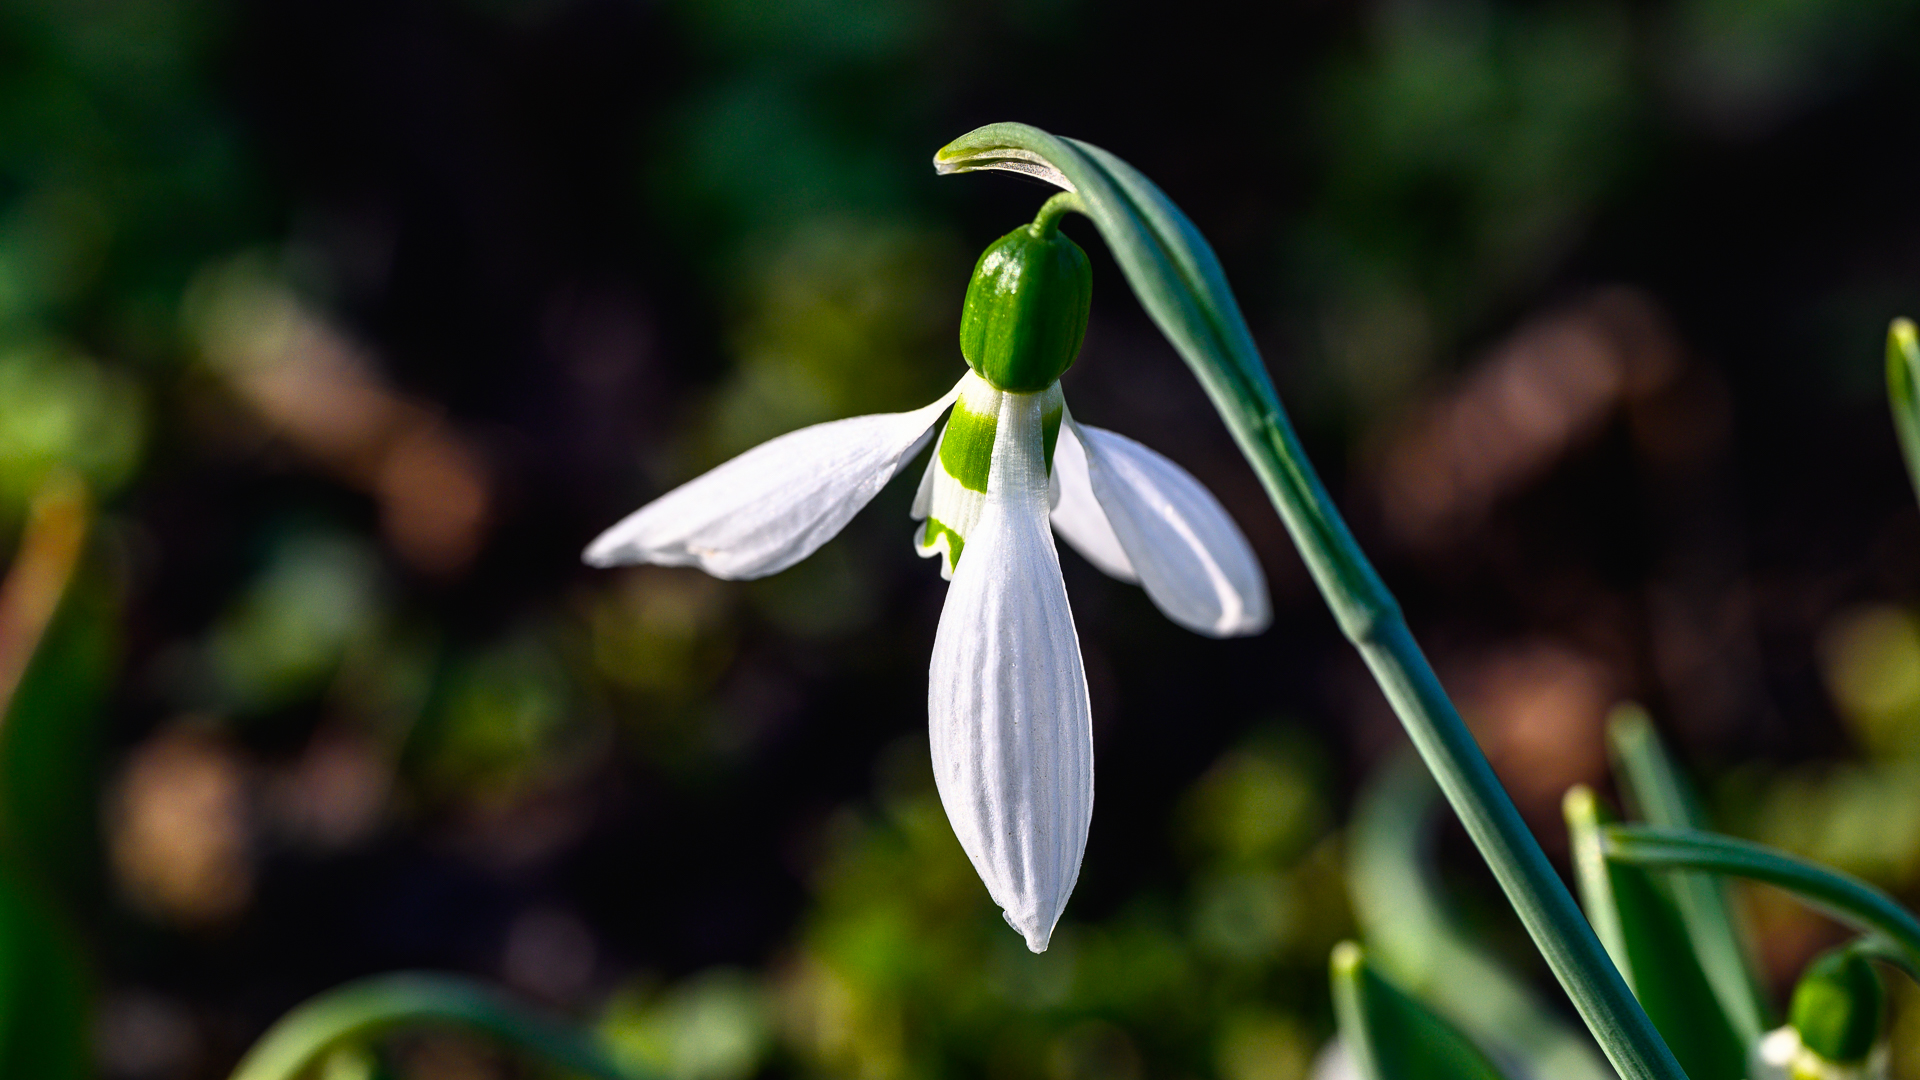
(1833, 1026)
(1008, 720)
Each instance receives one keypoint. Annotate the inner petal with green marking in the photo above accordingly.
(954, 490)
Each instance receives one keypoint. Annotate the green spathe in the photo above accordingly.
(1026, 308)
(1836, 1006)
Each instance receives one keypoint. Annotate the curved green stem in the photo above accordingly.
(366, 1009)
(1047, 221)
(1844, 896)
(1180, 283)
(1875, 947)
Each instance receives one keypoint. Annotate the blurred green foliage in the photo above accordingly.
(499, 720)
(1465, 148)
(717, 1026)
(43, 989)
(904, 969)
(49, 859)
(64, 410)
(1453, 156)
(287, 635)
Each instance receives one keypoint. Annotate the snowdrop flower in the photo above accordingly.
(1833, 1026)
(1782, 1055)
(1010, 728)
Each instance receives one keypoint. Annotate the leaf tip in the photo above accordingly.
(1580, 806)
(1347, 960)
(1628, 723)
(1903, 345)
(1000, 146)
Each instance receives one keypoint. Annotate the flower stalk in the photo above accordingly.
(1180, 283)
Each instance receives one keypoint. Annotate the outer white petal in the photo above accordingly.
(1009, 723)
(923, 495)
(775, 504)
(1077, 516)
(1192, 559)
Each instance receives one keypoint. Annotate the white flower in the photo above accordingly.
(1009, 724)
(1780, 1055)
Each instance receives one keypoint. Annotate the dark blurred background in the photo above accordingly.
(359, 319)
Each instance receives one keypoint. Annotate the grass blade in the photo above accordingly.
(1416, 938)
(1659, 793)
(49, 550)
(1391, 1035)
(1642, 928)
(369, 1008)
(1841, 895)
(1903, 373)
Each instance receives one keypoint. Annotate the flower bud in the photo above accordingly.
(1026, 309)
(1836, 1007)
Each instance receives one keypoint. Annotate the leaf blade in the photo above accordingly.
(1644, 933)
(1391, 1035)
(370, 1007)
(1415, 937)
(1660, 793)
(1903, 392)
(1841, 895)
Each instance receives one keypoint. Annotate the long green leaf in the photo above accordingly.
(364, 1010)
(1391, 1035)
(1415, 937)
(1642, 929)
(56, 531)
(54, 668)
(44, 1029)
(1658, 792)
(1903, 373)
(1180, 283)
(1841, 895)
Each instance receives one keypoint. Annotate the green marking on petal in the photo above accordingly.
(966, 450)
(931, 533)
(1050, 432)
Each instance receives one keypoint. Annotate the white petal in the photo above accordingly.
(1077, 516)
(1192, 559)
(923, 495)
(775, 504)
(1009, 723)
